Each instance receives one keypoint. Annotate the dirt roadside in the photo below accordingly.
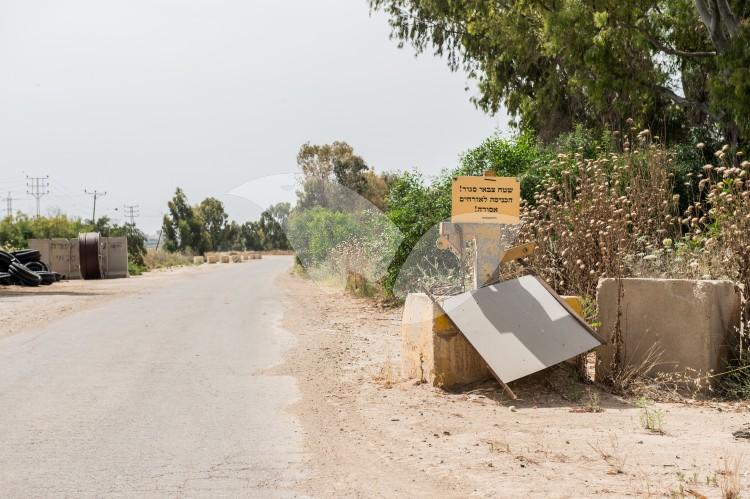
(25, 308)
(371, 434)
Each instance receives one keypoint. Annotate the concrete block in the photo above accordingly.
(198, 260)
(115, 257)
(433, 350)
(693, 323)
(225, 259)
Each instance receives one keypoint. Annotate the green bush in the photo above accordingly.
(16, 232)
(314, 232)
(416, 205)
(339, 243)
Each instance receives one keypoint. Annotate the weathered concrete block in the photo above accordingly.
(692, 323)
(434, 350)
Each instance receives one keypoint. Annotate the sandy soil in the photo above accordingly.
(371, 434)
(25, 308)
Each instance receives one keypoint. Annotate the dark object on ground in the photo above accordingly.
(5, 260)
(23, 275)
(27, 255)
(37, 266)
(24, 267)
(47, 277)
(743, 433)
(90, 255)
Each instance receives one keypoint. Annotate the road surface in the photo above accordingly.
(161, 393)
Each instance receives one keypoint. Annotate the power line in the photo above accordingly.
(9, 205)
(95, 194)
(37, 187)
(132, 211)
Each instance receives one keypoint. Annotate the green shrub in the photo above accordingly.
(416, 205)
(314, 232)
(340, 242)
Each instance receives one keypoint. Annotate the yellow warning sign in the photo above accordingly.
(486, 200)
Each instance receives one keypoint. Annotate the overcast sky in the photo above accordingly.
(138, 97)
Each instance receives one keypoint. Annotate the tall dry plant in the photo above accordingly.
(598, 217)
(719, 217)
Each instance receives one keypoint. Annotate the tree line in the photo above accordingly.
(197, 229)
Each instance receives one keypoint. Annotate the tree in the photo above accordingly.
(325, 163)
(272, 227)
(215, 222)
(251, 236)
(376, 187)
(183, 228)
(670, 65)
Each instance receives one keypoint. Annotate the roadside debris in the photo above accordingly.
(744, 433)
(25, 268)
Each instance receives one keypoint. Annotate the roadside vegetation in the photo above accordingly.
(631, 121)
(611, 204)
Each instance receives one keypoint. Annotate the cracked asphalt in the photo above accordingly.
(160, 393)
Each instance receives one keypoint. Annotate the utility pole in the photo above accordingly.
(95, 194)
(37, 187)
(132, 211)
(9, 205)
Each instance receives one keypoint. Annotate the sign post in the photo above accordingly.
(486, 199)
(481, 209)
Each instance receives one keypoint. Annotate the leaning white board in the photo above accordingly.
(519, 327)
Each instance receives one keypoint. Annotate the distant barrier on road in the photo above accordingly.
(213, 257)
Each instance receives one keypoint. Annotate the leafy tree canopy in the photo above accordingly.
(671, 65)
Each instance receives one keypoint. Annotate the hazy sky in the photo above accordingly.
(137, 97)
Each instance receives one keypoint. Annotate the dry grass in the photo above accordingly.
(157, 259)
(611, 454)
(730, 480)
(617, 216)
(587, 221)
(388, 374)
(498, 447)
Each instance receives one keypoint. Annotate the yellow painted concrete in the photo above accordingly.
(575, 303)
(433, 350)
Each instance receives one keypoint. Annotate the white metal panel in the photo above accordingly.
(519, 327)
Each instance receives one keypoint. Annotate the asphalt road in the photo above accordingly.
(157, 394)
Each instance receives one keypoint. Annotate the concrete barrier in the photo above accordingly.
(198, 260)
(691, 323)
(61, 255)
(433, 350)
